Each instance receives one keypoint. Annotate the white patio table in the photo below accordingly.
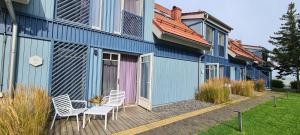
(98, 110)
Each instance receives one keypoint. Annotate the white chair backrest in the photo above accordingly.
(116, 97)
(62, 104)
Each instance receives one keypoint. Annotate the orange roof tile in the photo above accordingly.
(238, 49)
(169, 25)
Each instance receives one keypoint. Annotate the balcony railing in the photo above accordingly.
(133, 25)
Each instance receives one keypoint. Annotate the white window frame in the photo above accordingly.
(217, 75)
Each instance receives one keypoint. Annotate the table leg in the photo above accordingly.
(83, 121)
(105, 124)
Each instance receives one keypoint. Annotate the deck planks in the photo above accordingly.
(133, 117)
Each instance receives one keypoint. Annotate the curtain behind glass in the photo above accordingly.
(133, 6)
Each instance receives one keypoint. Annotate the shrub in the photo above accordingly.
(293, 85)
(26, 114)
(260, 85)
(214, 91)
(243, 88)
(277, 84)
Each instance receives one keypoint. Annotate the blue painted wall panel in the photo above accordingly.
(26, 73)
(40, 8)
(174, 80)
(148, 17)
(95, 73)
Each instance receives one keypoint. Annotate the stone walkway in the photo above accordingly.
(202, 122)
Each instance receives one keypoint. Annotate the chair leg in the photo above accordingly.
(53, 121)
(77, 122)
(124, 107)
(117, 113)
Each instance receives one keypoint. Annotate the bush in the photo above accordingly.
(294, 85)
(214, 91)
(243, 88)
(260, 85)
(277, 84)
(26, 114)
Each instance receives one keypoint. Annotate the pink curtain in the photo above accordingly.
(128, 77)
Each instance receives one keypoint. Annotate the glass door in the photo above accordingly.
(110, 72)
(145, 80)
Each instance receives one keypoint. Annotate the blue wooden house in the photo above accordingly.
(86, 48)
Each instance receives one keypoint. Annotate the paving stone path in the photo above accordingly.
(202, 122)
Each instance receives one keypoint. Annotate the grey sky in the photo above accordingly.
(253, 20)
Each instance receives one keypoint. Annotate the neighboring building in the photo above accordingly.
(178, 75)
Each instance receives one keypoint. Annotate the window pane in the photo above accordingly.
(106, 56)
(134, 6)
(95, 17)
(115, 57)
(209, 34)
(117, 16)
(221, 38)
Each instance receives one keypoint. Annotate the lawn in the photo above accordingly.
(265, 119)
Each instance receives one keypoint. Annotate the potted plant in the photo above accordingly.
(96, 100)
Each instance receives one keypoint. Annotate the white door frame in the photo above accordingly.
(144, 102)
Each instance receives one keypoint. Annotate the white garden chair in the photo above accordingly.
(115, 99)
(63, 108)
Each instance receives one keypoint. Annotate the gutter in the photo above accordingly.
(12, 70)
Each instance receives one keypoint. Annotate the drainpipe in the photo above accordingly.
(11, 81)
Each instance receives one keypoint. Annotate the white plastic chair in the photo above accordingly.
(115, 99)
(63, 108)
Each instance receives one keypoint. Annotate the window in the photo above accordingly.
(221, 39)
(243, 74)
(211, 71)
(134, 7)
(73, 10)
(210, 34)
(221, 71)
(133, 21)
(221, 44)
(96, 14)
(117, 16)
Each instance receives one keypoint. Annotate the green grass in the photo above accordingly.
(264, 119)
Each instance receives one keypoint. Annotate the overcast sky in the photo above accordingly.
(253, 20)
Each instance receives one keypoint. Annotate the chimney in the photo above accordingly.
(176, 13)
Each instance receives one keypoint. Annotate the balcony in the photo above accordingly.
(133, 25)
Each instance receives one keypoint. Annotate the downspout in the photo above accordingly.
(11, 81)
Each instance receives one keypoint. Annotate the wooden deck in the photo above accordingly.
(133, 117)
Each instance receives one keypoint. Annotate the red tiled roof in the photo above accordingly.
(238, 49)
(166, 23)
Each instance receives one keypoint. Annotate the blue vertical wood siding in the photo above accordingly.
(40, 8)
(95, 73)
(148, 17)
(174, 80)
(27, 74)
